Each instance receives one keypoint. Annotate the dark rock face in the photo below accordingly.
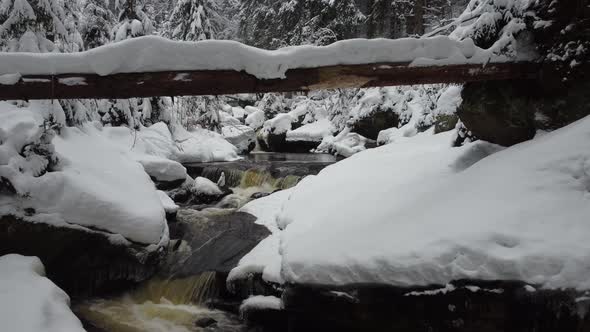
(278, 143)
(205, 322)
(80, 262)
(370, 126)
(217, 241)
(510, 112)
(493, 307)
(445, 122)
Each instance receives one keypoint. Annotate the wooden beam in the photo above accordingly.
(219, 82)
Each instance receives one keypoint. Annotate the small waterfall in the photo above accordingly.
(190, 290)
(249, 178)
(159, 306)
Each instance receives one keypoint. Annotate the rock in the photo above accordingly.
(508, 113)
(81, 262)
(259, 195)
(217, 241)
(377, 121)
(445, 122)
(498, 112)
(242, 137)
(272, 142)
(205, 322)
(490, 306)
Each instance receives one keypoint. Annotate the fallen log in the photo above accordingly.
(220, 82)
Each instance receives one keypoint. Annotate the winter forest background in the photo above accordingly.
(74, 25)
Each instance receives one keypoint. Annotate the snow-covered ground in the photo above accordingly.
(419, 212)
(29, 302)
(151, 53)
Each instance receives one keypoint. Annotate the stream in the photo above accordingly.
(179, 303)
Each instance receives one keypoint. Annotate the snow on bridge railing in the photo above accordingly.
(154, 66)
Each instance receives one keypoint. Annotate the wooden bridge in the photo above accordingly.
(218, 82)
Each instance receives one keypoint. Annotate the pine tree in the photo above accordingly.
(37, 26)
(133, 21)
(98, 24)
(189, 21)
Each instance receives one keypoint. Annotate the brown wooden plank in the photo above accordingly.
(218, 82)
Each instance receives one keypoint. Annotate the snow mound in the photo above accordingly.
(152, 54)
(261, 302)
(182, 146)
(419, 212)
(30, 302)
(242, 137)
(204, 186)
(345, 144)
(167, 202)
(312, 132)
(86, 180)
(255, 119)
(162, 169)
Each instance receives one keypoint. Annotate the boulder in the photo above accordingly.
(492, 306)
(213, 241)
(510, 112)
(82, 262)
(371, 125)
(242, 137)
(205, 322)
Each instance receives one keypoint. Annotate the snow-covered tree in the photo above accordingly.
(273, 24)
(133, 21)
(38, 26)
(189, 21)
(98, 23)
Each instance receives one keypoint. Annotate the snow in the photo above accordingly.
(30, 302)
(94, 183)
(518, 214)
(167, 202)
(204, 186)
(280, 124)
(199, 145)
(9, 79)
(345, 144)
(260, 302)
(313, 132)
(162, 169)
(240, 136)
(255, 119)
(265, 257)
(152, 53)
(419, 212)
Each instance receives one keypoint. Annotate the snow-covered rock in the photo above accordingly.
(344, 144)
(255, 119)
(492, 214)
(92, 183)
(260, 303)
(167, 202)
(312, 132)
(162, 169)
(204, 186)
(519, 214)
(30, 302)
(242, 137)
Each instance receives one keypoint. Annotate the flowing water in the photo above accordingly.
(166, 305)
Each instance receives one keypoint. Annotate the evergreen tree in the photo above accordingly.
(189, 21)
(99, 20)
(37, 26)
(133, 21)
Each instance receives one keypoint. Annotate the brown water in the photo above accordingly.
(160, 306)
